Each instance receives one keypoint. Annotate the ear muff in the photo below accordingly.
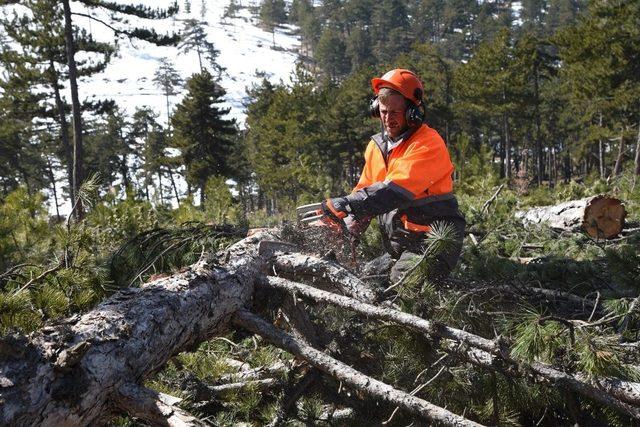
(414, 114)
(374, 108)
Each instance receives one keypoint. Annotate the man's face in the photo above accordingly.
(392, 115)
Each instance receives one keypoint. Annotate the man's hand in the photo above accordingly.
(336, 209)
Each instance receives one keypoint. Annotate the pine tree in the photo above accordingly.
(535, 61)
(390, 30)
(598, 62)
(203, 9)
(437, 75)
(358, 48)
(272, 14)
(331, 53)
(490, 85)
(201, 132)
(532, 15)
(21, 160)
(153, 141)
(40, 34)
(110, 150)
(167, 79)
(231, 9)
(140, 33)
(194, 37)
(346, 130)
(427, 20)
(287, 152)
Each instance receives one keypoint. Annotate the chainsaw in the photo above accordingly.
(313, 215)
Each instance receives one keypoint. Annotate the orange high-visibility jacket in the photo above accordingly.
(414, 178)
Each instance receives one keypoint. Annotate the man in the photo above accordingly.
(406, 179)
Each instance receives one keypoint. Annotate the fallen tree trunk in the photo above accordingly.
(600, 216)
(87, 368)
(72, 373)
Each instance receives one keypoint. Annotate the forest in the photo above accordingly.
(183, 221)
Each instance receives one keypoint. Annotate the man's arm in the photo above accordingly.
(424, 163)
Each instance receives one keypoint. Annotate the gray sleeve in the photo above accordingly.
(378, 198)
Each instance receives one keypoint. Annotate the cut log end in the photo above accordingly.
(604, 217)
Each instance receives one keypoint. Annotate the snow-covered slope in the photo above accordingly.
(245, 49)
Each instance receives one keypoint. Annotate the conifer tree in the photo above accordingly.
(203, 8)
(167, 79)
(109, 148)
(346, 129)
(598, 61)
(153, 141)
(358, 47)
(427, 20)
(390, 30)
(117, 10)
(490, 84)
(535, 61)
(437, 75)
(194, 37)
(231, 9)
(287, 152)
(201, 132)
(21, 160)
(331, 53)
(41, 37)
(272, 14)
(532, 15)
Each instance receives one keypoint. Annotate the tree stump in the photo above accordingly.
(600, 216)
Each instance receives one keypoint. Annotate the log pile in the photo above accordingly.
(599, 216)
(86, 369)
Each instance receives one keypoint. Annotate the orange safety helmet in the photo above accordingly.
(403, 81)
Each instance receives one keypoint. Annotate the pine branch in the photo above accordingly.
(40, 277)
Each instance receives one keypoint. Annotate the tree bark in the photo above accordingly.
(64, 131)
(619, 394)
(78, 153)
(77, 371)
(52, 179)
(617, 169)
(399, 317)
(72, 373)
(636, 162)
(173, 185)
(507, 147)
(601, 161)
(323, 274)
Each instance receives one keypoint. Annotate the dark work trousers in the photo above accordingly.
(405, 249)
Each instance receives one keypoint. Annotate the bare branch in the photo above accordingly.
(347, 374)
(399, 317)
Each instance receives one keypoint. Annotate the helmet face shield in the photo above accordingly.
(403, 81)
